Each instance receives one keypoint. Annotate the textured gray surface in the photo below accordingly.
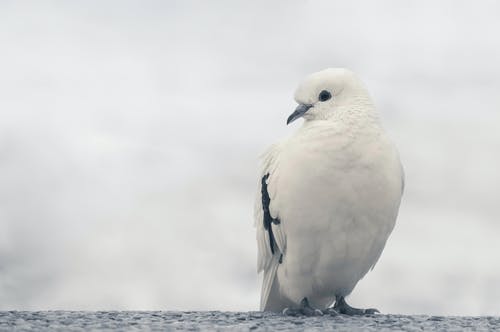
(239, 321)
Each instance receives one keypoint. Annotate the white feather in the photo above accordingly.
(266, 261)
(335, 186)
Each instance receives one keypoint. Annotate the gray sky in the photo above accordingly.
(130, 134)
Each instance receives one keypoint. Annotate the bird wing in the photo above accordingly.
(402, 177)
(271, 240)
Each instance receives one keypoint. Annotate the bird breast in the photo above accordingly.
(337, 197)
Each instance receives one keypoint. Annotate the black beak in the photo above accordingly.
(299, 111)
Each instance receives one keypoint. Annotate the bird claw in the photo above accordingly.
(318, 312)
(342, 307)
(371, 311)
(330, 311)
(304, 310)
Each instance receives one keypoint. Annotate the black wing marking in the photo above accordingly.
(268, 219)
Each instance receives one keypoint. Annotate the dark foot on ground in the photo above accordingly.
(304, 310)
(330, 311)
(343, 308)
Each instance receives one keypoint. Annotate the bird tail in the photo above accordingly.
(271, 298)
(268, 281)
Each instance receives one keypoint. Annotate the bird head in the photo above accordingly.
(329, 94)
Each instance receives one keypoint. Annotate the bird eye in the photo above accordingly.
(324, 95)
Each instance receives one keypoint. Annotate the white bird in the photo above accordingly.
(328, 200)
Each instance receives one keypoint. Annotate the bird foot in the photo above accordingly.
(342, 307)
(330, 311)
(304, 310)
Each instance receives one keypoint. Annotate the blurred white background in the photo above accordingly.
(130, 133)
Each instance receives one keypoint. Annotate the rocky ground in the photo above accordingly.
(231, 321)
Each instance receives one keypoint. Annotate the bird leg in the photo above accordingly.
(342, 307)
(304, 309)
